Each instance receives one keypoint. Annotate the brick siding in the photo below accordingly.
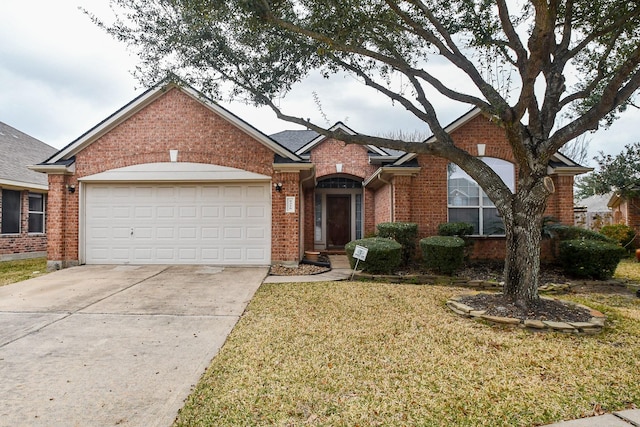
(23, 244)
(175, 121)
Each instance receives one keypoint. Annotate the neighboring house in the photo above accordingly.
(174, 178)
(24, 195)
(625, 210)
(592, 212)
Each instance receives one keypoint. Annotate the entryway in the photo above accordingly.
(338, 216)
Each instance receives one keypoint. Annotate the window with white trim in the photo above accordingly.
(36, 212)
(468, 203)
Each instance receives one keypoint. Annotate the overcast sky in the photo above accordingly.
(60, 75)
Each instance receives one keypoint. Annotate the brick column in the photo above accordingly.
(285, 226)
(401, 199)
(55, 222)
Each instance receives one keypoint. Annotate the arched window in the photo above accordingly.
(468, 203)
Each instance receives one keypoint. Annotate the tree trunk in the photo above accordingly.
(522, 263)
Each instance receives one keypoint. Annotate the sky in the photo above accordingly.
(60, 75)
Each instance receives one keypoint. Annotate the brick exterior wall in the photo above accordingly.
(560, 203)
(382, 205)
(285, 232)
(354, 159)
(175, 121)
(23, 244)
(428, 205)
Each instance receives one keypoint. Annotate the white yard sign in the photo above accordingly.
(360, 254)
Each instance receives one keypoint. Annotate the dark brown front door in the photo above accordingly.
(338, 220)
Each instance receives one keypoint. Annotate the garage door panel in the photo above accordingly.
(195, 224)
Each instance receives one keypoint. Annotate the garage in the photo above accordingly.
(176, 213)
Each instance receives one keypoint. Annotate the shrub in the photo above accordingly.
(623, 234)
(405, 233)
(443, 254)
(590, 258)
(460, 229)
(384, 255)
(570, 232)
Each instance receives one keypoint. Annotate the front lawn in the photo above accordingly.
(16, 271)
(371, 354)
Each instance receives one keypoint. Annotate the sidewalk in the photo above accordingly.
(628, 418)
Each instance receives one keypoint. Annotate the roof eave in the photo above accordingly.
(9, 184)
(54, 169)
(568, 170)
(149, 97)
(383, 174)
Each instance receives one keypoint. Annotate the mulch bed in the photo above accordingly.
(298, 270)
(545, 309)
(497, 304)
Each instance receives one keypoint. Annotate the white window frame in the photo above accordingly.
(43, 213)
(500, 167)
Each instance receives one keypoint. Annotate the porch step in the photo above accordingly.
(339, 262)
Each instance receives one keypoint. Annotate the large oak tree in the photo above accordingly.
(565, 67)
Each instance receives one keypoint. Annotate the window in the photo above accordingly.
(36, 212)
(468, 203)
(10, 212)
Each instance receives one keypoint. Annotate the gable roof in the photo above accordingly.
(148, 98)
(20, 150)
(338, 126)
(294, 139)
(559, 163)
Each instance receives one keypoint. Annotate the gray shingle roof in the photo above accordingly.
(294, 140)
(18, 150)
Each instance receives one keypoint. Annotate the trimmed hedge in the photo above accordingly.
(460, 229)
(590, 258)
(623, 234)
(570, 232)
(443, 254)
(384, 255)
(405, 233)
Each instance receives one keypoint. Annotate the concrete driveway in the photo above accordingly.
(113, 345)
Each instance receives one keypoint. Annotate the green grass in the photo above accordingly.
(16, 271)
(628, 269)
(371, 354)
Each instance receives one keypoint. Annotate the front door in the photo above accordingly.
(338, 220)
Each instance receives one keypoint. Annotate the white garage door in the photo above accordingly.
(209, 223)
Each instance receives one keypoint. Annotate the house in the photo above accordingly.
(24, 195)
(173, 177)
(593, 212)
(625, 210)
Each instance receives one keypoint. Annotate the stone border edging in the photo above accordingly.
(594, 326)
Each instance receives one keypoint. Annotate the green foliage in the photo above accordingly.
(623, 234)
(590, 258)
(460, 229)
(384, 255)
(405, 233)
(571, 232)
(619, 173)
(443, 254)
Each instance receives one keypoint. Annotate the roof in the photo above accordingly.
(595, 203)
(559, 163)
(294, 140)
(18, 151)
(146, 99)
